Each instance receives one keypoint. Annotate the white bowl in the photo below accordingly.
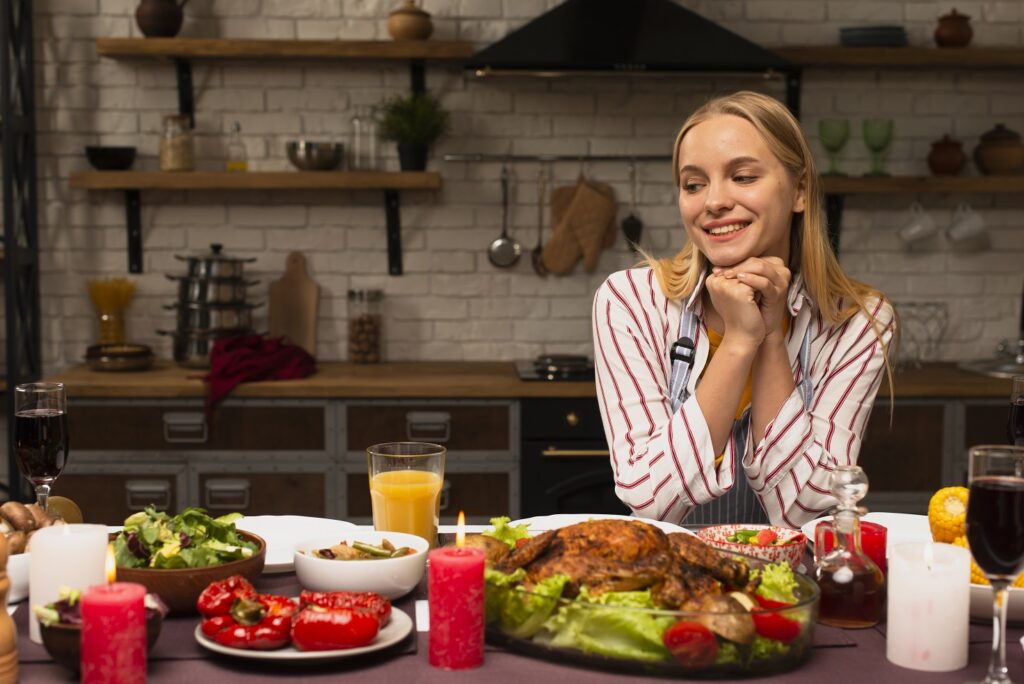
(981, 603)
(17, 573)
(390, 577)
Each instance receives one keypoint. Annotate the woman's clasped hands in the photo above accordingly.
(751, 298)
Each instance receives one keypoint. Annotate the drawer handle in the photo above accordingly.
(571, 419)
(446, 490)
(552, 452)
(142, 493)
(181, 427)
(224, 493)
(428, 426)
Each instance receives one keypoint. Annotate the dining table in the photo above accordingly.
(838, 656)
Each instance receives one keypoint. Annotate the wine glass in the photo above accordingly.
(877, 136)
(1015, 424)
(833, 134)
(995, 534)
(41, 434)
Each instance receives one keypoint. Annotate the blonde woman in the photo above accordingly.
(733, 377)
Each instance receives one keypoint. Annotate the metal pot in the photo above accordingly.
(213, 264)
(192, 347)
(213, 317)
(211, 290)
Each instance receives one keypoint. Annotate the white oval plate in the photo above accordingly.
(981, 603)
(282, 531)
(398, 628)
(900, 527)
(542, 523)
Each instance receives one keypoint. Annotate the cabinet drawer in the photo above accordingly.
(985, 424)
(909, 456)
(274, 493)
(109, 498)
(482, 427)
(561, 419)
(480, 495)
(108, 427)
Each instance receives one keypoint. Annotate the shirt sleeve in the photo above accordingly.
(663, 462)
(790, 468)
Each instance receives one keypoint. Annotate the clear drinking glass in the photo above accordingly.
(41, 434)
(405, 487)
(1015, 423)
(833, 134)
(995, 508)
(877, 136)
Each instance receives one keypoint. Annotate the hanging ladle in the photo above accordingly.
(505, 250)
(538, 251)
(632, 226)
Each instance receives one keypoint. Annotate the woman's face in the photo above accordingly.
(735, 197)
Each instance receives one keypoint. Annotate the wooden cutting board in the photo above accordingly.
(294, 299)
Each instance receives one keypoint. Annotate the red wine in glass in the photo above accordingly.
(995, 513)
(41, 444)
(1015, 426)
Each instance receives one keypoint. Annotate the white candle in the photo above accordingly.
(64, 556)
(929, 597)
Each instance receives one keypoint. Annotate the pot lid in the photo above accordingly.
(1000, 134)
(954, 16)
(214, 255)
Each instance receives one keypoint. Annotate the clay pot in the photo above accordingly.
(953, 30)
(1000, 152)
(409, 22)
(160, 18)
(947, 157)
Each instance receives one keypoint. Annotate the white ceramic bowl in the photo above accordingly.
(789, 552)
(390, 577)
(17, 573)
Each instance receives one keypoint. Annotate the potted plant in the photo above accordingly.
(415, 122)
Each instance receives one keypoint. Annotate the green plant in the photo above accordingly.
(417, 119)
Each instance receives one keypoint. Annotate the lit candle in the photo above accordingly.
(114, 631)
(929, 600)
(63, 555)
(455, 586)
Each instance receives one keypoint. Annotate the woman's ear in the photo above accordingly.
(800, 196)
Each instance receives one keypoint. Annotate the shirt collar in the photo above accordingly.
(795, 298)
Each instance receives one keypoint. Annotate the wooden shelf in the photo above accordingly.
(225, 48)
(974, 58)
(256, 180)
(860, 185)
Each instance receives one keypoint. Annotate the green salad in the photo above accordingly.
(598, 624)
(191, 539)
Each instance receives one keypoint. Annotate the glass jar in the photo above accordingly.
(365, 146)
(177, 149)
(364, 325)
(236, 150)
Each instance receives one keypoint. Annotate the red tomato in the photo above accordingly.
(774, 625)
(326, 629)
(766, 537)
(691, 643)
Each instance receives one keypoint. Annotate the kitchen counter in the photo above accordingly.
(441, 379)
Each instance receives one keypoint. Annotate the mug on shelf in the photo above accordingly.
(918, 227)
(967, 230)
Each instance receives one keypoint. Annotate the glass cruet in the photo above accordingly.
(852, 586)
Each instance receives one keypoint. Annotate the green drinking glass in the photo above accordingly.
(877, 137)
(833, 134)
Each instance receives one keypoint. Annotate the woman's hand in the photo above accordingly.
(735, 301)
(769, 278)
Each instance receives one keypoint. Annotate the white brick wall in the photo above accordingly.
(452, 304)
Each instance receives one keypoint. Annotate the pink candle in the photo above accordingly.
(455, 587)
(114, 634)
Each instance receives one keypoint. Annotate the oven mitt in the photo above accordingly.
(589, 215)
(561, 251)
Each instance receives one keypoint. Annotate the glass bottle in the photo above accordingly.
(236, 150)
(852, 586)
(364, 325)
(177, 151)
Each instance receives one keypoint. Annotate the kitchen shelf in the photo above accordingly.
(892, 185)
(911, 57)
(133, 182)
(229, 48)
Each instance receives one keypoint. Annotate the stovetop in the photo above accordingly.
(556, 368)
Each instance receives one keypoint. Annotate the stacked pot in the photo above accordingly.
(212, 303)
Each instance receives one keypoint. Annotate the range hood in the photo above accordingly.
(604, 36)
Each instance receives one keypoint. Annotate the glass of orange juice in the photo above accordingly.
(405, 487)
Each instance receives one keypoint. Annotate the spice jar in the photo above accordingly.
(364, 325)
(177, 150)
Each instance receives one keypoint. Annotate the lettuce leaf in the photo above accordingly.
(777, 582)
(504, 532)
(520, 612)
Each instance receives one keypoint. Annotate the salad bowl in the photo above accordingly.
(390, 577)
(788, 545)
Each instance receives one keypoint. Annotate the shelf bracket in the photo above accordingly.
(394, 229)
(132, 213)
(834, 218)
(186, 102)
(418, 76)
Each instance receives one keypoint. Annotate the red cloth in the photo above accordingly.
(248, 358)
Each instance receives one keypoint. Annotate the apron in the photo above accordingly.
(740, 504)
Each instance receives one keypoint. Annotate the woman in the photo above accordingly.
(734, 376)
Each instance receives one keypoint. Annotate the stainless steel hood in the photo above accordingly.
(614, 36)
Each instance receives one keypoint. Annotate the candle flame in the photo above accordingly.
(111, 565)
(460, 531)
(929, 555)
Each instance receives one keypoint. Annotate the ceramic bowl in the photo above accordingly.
(17, 573)
(789, 550)
(390, 577)
(107, 158)
(179, 588)
(62, 641)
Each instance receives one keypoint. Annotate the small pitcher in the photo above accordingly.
(160, 18)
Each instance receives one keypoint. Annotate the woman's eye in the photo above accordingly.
(692, 187)
(744, 179)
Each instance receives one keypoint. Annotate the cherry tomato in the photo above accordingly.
(772, 625)
(765, 537)
(691, 643)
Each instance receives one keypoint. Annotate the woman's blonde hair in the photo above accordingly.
(837, 296)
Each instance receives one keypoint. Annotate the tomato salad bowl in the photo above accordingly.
(768, 542)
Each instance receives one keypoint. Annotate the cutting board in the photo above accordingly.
(294, 299)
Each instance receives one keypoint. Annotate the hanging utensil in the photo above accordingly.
(632, 226)
(504, 251)
(542, 190)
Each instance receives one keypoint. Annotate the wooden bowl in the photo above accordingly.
(179, 588)
(63, 642)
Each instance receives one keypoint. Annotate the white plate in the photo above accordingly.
(900, 527)
(981, 603)
(542, 523)
(281, 532)
(398, 628)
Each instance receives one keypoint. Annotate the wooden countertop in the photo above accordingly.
(446, 379)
